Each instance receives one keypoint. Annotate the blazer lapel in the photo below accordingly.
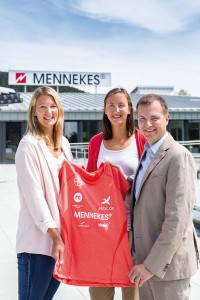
(162, 151)
(157, 158)
(52, 167)
(66, 150)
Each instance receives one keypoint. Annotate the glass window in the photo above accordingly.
(13, 136)
(89, 130)
(176, 130)
(70, 131)
(194, 135)
(194, 130)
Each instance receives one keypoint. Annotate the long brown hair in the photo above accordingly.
(130, 124)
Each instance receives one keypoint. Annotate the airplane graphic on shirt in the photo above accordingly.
(106, 201)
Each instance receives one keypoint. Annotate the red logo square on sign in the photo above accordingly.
(20, 77)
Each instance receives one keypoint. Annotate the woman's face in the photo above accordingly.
(46, 112)
(117, 108)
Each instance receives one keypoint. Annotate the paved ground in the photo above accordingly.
(9, 207)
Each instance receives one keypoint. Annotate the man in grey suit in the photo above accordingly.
(165, 241)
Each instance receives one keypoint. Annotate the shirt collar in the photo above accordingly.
(153, 149)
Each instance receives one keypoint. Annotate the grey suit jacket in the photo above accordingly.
(164, 236)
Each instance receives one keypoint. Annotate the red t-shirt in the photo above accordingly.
(94, 227)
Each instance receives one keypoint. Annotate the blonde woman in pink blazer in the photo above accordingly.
(39, 157)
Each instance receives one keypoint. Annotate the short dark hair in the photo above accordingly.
(149, 98)
(130, 124)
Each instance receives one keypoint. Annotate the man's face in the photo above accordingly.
(152, 121)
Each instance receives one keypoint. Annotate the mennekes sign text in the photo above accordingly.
(58, 78)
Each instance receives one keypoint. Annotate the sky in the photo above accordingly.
(140, 42)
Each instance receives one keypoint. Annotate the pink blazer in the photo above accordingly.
(38, 185)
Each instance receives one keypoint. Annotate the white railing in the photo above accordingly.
(80, 153)
(190, 143)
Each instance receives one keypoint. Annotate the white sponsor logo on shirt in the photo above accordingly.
(106, 208)
(91, 215)
(78, 181)
(105, 204)
(83, 224)
(104, 225)
(106, 201)
(78, 197)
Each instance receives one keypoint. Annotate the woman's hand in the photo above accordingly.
(128, 178)
(57, 251)
(119, 168)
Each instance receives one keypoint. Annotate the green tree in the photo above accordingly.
(183, 92)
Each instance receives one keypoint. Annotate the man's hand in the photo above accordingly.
(139, 274)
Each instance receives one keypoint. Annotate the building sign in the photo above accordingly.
(58, 78)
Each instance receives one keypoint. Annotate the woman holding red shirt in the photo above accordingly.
(121, 144)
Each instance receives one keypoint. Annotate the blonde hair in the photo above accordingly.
(34, 126)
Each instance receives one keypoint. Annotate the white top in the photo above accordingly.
(58, 161)
(128, 160)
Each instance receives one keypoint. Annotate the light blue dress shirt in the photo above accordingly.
(150, 152)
